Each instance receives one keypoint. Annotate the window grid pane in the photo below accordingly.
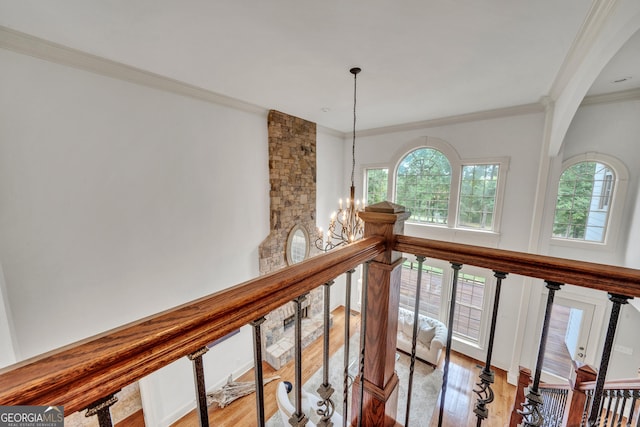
(469, 302)
(423, 185)
(430, 290)
(582, 206)
(478, 195)
(376, 185)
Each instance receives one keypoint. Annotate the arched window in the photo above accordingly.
(423, 185)
(585, 195)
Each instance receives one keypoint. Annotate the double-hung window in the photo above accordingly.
(375, 185)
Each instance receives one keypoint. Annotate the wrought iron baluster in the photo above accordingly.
(563, 406)
(587, 404)
(531, 409)
(416, 317)
(617, 300)
(607, 398)
(363, 335)
(101, 409)
(326, 390)
(625, 395)
(201, 390)
(615, 414)
(452, 305)
(257, 362)
(487, 376)
(347, 336)
(636, 396)
(298, 418)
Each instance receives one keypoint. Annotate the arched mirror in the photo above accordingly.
(297, 245)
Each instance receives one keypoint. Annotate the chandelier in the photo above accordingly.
(345, 226)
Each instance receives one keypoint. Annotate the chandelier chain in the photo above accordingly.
(353, 144)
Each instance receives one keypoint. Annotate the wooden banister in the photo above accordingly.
(574, 413)
(627, 384)
(608, 278)
(84, 372)
(524, 379)
(81, 373)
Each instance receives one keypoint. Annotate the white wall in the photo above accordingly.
(118, 201)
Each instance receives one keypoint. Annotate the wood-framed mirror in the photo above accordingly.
(297, 249)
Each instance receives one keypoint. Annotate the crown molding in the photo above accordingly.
(596, 18)
(26, 44)
(497, 113)
(331, 132)
(620, 96)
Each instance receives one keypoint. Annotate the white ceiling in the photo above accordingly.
(421, 59)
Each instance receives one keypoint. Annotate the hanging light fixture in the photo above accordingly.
(345, 225)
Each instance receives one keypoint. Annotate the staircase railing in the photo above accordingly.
(621, 284)
(88, 373)
(620, 404)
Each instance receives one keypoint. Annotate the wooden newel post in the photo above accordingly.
(574, 412)
(524, 380)
(380, 397)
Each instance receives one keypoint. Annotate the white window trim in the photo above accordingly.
(503, 163)
(363, 172)
(616, 203)
(456, 172)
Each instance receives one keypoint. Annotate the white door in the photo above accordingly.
(578, 327)
(568, 337)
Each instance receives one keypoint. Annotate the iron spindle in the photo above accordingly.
(298, 418)
(257, 362)
(617, 300)
(625, 395)
(636, 396)
(416, 314)
(452, 305)
(326, 390)
(363, 335)
(487, 376)
(201, 390)
(101, 409)
(531, 409)
(347, 336)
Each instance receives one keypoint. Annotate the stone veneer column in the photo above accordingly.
(381, 382)
(292, 179)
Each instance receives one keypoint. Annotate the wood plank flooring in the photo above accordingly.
(460, 400)
(242, 412)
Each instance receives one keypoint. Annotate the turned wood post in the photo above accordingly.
(380, 397)
(575, 410)
(524, 379)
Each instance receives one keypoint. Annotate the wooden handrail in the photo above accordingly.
(612, 279)
(81, 373)
(626, 384)
(546, 386)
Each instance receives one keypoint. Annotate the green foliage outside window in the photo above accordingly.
(377, 181)
(575, 203)
(478, 196)
(423, 185)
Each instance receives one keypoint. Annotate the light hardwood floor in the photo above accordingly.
(463, 374)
